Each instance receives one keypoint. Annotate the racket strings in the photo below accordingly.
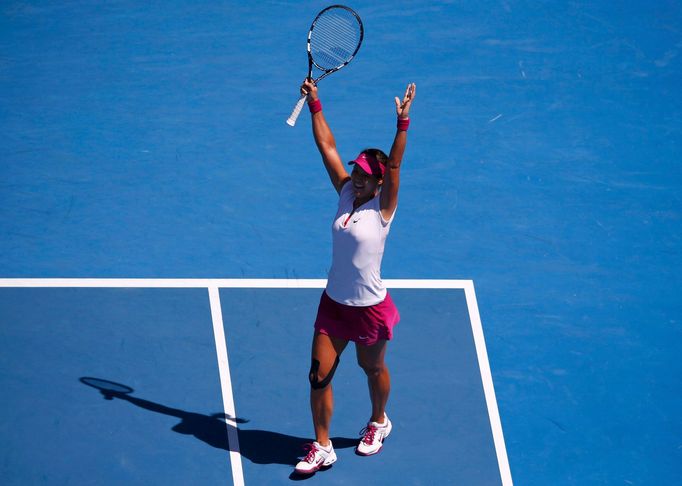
(335, 38)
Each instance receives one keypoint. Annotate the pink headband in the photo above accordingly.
(370, 164)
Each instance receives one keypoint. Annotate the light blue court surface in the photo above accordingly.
(147, 139)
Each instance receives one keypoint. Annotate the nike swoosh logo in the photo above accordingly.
(363, 337)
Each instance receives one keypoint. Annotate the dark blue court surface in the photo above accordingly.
(441, 431)
(148, 139)
(56, 430)
(111, 385)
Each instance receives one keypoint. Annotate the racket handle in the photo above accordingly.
(291, 121)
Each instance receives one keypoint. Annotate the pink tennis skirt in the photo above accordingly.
(363, 325)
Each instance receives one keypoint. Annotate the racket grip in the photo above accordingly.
(291, 121)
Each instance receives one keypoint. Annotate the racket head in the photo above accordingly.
(334, 38)
(108, 388)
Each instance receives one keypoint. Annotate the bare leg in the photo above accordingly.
(325, 350)
(371, 360)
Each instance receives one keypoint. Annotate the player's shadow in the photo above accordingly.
(258, 446)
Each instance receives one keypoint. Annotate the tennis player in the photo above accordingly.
(355, 305)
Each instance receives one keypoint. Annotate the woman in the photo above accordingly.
(355, 305)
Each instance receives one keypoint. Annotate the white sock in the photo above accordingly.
(326, 449)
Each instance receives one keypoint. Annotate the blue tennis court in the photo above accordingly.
(181, 414)
(59, 431)
(145, 164)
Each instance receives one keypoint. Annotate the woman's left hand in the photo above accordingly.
(403, 108)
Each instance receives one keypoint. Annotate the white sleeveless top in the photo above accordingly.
(357, 250)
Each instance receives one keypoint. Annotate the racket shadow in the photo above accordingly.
(258, 446)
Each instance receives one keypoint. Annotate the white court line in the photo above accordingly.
(164, 283)
(488, 388)
(226, 386)
(214, 284)
(225, 283)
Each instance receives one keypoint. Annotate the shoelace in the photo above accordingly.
(368, 434)
(311, 450)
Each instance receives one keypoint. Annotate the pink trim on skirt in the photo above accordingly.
(363, 325)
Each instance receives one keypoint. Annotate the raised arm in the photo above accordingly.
(325, 140)
(391, 184)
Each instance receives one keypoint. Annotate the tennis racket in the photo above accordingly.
(334, 38)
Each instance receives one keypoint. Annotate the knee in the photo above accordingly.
(373, 370)
(318, 381)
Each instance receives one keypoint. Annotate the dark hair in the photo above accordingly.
(380, 155)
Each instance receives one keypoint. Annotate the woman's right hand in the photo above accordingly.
(310, 89)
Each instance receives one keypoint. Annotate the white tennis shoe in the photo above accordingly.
(316, 458)
(373, 437)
